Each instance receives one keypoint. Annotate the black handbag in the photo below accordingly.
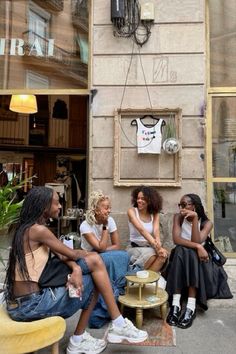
(54, 274)
(217, 257)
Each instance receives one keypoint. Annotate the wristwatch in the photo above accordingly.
(104, 227)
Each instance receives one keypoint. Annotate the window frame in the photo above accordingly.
(211, 93)
(118, 180)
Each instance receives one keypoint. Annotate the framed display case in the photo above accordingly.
(132, 164)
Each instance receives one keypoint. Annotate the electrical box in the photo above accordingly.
(147, 11)
(117, 9)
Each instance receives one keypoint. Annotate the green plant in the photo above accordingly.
(169, 130)
(10, 206)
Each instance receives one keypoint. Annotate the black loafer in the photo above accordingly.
(173, 316)
(187, 318)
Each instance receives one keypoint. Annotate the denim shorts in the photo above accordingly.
(54, 301)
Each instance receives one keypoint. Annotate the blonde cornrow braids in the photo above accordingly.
(94, 199)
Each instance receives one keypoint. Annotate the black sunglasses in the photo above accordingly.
(183, 205)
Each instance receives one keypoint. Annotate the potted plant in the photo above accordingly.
(10, 207)
(171, 144)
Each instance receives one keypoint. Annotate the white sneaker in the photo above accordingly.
(88, 345)
(128, 331)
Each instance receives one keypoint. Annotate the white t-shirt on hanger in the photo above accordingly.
(149, 138)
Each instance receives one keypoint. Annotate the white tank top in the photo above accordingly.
(135, 235)
(186, 229)
(149, 138)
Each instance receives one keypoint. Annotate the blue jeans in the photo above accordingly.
(116, 263)
(54, 301)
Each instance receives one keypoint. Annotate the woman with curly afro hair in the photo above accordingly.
(145, 248)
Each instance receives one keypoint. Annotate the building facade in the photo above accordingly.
(173, 64)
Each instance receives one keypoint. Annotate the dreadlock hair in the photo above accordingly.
(95, 198)
(195, 199)
(152, 197)
(34, 210)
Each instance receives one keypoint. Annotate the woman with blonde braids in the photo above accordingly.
(99, 233)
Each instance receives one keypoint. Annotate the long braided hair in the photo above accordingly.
(196, 200)
(34, 210)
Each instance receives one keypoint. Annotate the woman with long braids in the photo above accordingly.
(27, 300)
(191, 273)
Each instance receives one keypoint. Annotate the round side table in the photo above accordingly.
(141, 297)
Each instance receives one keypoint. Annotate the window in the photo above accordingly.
(222, 43)
(47, 38)
(221, 123)
(38, 26)
(34, 80)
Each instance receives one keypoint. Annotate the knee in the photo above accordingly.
(163, 259)
(94, 260)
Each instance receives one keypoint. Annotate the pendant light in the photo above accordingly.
(23, 104)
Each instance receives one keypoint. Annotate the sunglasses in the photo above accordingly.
(184, 205)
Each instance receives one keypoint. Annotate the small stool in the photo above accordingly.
(145, 297)
(26, 337)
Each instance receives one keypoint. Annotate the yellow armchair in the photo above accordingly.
(27, 337)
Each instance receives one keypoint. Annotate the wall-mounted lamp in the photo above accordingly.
(23, 104)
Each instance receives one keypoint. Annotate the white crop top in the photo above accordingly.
(135, 235)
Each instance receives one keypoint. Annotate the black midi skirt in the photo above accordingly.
(185, 270)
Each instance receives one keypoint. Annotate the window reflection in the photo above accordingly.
(48, 39)
(224, 136)
(222, 42)
(224, 216)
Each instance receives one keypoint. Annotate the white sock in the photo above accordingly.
(162, 283)
(191, 304)
(119, 321)
(176, 300)
(77, 338)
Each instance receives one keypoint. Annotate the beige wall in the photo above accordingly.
(177, 40)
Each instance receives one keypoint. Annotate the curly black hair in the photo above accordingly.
(152, 197)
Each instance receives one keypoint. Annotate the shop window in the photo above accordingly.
(47, 38)
(39, 123)
(34, 80)
(222, 43)
(221, 123)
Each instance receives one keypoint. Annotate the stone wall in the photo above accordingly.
(177, 41)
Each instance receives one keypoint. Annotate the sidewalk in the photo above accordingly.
(212, 332)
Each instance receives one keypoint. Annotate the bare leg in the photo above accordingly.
(85, 315)
(192, 292)
(102, 282)
(155, 263)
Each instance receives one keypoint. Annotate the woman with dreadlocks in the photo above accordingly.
(191, 273)
(27, 299)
